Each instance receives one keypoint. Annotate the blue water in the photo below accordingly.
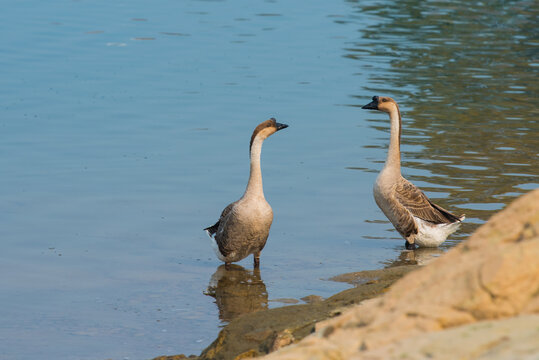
(124, 131)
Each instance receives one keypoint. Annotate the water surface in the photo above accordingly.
(125, 130)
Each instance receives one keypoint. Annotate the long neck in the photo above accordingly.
(254, 186)
(393, 160)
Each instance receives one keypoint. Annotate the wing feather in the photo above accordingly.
(419, 205)
(221, 237)
(405, 223)
(213, 229)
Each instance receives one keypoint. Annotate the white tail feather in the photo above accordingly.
(430, 235)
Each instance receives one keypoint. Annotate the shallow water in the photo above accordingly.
(125, 130)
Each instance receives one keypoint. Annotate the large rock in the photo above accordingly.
(507, 339)
(493, 275)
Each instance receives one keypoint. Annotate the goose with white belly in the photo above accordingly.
(244, 225)
(416, 218)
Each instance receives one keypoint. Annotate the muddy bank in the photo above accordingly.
(261, 332)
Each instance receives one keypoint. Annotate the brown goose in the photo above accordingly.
(244, 225)
(416, 218)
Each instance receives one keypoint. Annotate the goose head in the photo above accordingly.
(381, 103)
(265, 129)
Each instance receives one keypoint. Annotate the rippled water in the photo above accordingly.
(466, 77)
(125, 130)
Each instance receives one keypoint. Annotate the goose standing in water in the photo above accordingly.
(244, 225)
(416, 218)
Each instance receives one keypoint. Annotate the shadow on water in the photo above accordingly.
(237, 291)
(465, 76)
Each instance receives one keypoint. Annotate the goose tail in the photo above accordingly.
(211, 230)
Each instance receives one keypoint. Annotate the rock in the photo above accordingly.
(512, 338)
(311, 299)
(283, 338)
(370, 276)
(249, 354)
(493, 275)
(285, 301)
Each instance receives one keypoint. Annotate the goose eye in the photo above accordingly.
(384, 100)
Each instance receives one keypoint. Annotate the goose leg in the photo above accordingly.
(257, 259)
(409, 246)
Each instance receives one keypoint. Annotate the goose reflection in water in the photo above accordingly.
(419, 256)
(237, 291)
